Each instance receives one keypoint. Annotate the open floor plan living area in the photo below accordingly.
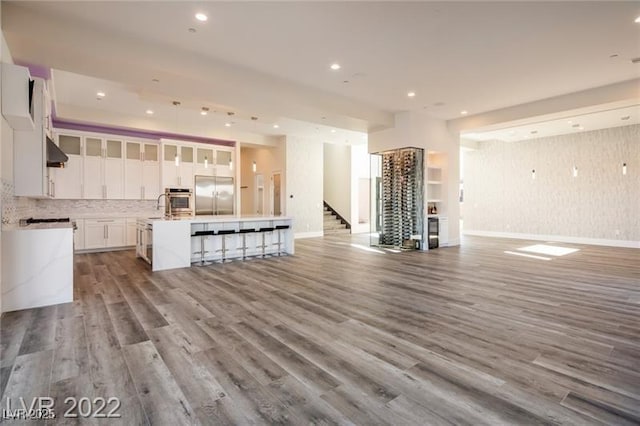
(314, 213)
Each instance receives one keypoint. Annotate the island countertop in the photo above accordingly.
(220, 219)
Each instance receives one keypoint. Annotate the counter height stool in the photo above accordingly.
(223, 234)
(202, 252)
(244, 232)
(279, 229)
(264, 231)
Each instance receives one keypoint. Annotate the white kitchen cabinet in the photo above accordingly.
(186, 169)
(78, 234)
(104, 233)
(92, 174)
(30, 172)
(68, 180)
(133, 171)
(113, 170)
(103, 169)
(178, 166)
(205, 161)
(224, 165)
(151, 172)
(15, 97)
(142, 171)
(131, 232)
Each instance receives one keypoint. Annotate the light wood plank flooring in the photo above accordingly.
(341, 335)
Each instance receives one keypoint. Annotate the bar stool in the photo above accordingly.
(244, 247)
(223, 234)
(264, 231)
(279, 229)
(202, 235)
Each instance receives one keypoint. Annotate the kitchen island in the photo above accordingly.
(170, 243)
(37, 265)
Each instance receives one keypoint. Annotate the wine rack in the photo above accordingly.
(401, 198)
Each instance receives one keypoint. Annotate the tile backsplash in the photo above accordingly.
(14, 208)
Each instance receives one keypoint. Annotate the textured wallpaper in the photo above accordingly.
(601, 202)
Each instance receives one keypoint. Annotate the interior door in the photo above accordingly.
(277, 203)
(259, 195)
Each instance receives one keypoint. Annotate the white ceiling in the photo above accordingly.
(566, 125)
(271, 59)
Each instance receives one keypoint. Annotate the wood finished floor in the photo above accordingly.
(340, 335)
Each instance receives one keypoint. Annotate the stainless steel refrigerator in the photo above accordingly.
(214, 195)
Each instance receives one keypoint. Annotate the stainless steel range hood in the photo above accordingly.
(55, 156)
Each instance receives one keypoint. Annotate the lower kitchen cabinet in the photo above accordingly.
(131, 232)
(104, 233)
(78, 235)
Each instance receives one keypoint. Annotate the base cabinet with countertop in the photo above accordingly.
(169, 244)
(104, 233)
(37, 266)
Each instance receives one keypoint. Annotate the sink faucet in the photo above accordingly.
(158, 200)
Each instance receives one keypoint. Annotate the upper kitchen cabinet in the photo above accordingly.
(103, 168)
(177, 166)
(18, 100)
(67, 181)
(224, 162)
(30, 171)
(205, 165)
(142, 171)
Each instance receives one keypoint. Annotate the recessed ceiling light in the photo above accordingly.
(411, 94)
(570, 122)
(201, 17)
(335, 66)
(625, 118)
(192, 30)
(101, 94)
(155, 80)
(204, 111)
(533, 132)
(333, 130)
(464, 112)
(149, 112)
(275, 126)
(637, 20)
(227, 124)
(615, 55)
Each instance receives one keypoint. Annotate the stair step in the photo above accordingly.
(337, 231)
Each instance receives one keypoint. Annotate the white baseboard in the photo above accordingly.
(311, 234)
(559, 238)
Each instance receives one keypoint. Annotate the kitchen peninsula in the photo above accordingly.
(172, 243)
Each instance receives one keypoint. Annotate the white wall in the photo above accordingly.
(337, 178)
(6, 139)
(360, 189)
(600, 204)
(303, 180)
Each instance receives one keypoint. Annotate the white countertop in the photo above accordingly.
(34, 226)
(220, 219)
